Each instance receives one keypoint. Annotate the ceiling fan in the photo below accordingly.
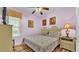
(40, 10)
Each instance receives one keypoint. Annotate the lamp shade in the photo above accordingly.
(67, 26)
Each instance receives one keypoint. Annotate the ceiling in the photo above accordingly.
(28, 10)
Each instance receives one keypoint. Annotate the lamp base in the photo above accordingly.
(67, 34)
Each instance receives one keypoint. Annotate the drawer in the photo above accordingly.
(67, 45)
(66, 42)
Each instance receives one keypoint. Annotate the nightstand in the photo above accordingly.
(68, 43)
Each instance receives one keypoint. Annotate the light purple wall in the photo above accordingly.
(0, 15)
(0, 19)
(63, 15)
(24, 25)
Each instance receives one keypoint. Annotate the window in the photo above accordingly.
(15, 22)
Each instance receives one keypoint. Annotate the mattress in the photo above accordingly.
(40, 43)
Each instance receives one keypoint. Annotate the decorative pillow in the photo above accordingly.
(54, 31)
(56, 34)
(44, 31)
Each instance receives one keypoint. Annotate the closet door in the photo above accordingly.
(5, 38)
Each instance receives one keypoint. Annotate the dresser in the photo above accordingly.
(68, 43)
(5, 38)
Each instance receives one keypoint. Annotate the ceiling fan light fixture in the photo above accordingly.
(41, 13)
(38, 9)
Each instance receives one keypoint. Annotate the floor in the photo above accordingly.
(25, 48)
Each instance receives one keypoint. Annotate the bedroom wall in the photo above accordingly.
(63, 15)
(0, 19)
(0, 15)
(24, 25)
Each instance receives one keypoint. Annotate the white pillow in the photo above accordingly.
(44, 31)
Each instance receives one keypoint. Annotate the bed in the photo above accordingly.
(42, 43)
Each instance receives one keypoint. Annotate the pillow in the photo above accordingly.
(54, 32)
(44, 31)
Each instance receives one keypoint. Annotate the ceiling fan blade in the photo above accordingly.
(33, 11)
(41, 13)
(45, 8)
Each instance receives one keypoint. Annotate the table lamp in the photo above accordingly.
(67, 26)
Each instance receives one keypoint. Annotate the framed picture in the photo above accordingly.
(52, 21)
(44, 22)
(30, 24)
